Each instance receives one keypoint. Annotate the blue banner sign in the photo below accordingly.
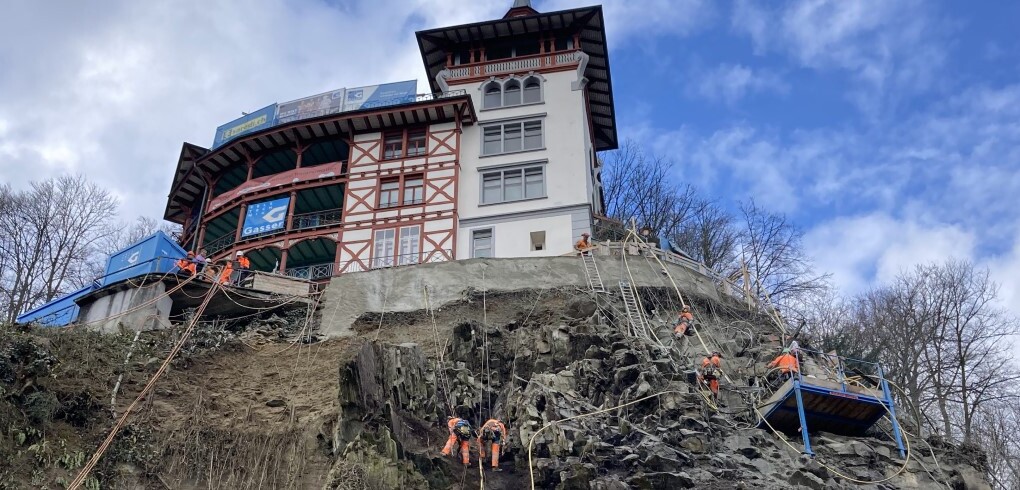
(260, 119)
(308, 107)
(380, 95)
(266, 216)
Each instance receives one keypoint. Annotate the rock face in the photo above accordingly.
(589, 405)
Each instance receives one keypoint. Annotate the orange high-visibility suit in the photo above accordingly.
(244, 262)
(583, 245)
(708, 372)
(496, 432)
(465, 448)
(186, 266)
(683, 323)
(786, 363)
(227, 271)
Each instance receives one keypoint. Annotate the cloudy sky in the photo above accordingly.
(889, 130)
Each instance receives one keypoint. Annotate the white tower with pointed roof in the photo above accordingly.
(540, 82)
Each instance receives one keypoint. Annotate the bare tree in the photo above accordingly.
(998, 433)
(643, 188)
(772, 248)
(51, 232)
(710, 237)
(129, 234)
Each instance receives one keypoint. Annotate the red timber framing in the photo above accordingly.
(434, 216)
(433, 160)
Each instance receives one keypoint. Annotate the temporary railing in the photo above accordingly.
(311, 272)
(315, 219)
(522, 64)
(725, 285)
(417, 98)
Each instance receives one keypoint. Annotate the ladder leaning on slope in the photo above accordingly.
(591, 271)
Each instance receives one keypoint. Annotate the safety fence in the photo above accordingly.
(725, 285)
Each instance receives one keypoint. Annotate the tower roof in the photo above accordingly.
(587, 22)
(521, 8)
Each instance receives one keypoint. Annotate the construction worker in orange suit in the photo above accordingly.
(495, 432)
(243, 264)
(683, 322)
(786, 363)
(709, 374)
(187, 265)
(228, 269)
(460, 430)
(584, 246)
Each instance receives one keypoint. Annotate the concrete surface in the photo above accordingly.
(401, 288)
(150, 317)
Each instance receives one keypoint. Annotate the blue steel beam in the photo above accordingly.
(892, 413)
(803, 419)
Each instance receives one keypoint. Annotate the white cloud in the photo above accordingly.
(863, 250)
(891, 49)
(731, 82)
(113, 92)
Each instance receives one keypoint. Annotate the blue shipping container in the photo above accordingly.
(156, 254)
(56, 313)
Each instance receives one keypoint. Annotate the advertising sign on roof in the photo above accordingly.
(266, 216)
(260, 119)
(308, 107)
(380, 95)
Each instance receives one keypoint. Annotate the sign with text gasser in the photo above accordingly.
(308, 107)
(380, 95)
(266, 216)
(260, 119)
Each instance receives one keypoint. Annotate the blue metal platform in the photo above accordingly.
(829, 404)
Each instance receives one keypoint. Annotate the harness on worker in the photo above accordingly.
(710, 372)
(491, 435)
(462, 429)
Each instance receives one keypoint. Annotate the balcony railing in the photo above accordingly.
(311, 272)
(220, 243)
(328, 217)
(514, 65)
(398, 261)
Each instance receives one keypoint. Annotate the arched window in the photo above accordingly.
(532, 90)
(493, 96)
(512, 93)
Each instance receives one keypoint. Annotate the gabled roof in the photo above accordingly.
(588, 21)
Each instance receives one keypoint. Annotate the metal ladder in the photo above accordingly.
(592, 272)
(634, 314)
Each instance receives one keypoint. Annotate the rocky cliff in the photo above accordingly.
(276, 400)
(534, 358)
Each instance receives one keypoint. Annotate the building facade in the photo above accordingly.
(497, 160)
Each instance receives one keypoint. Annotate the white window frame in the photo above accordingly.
(503, 171)
(520, 123)
(381, 257)
(492, 242)
(521, 81)
(409, 247)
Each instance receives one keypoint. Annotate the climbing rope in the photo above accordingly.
(441, 378)
(91, 464)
